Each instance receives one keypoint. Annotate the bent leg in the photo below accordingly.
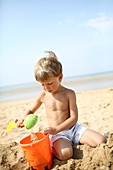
(92, 138)
(62, 149)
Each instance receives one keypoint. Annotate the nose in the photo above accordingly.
(46, 87)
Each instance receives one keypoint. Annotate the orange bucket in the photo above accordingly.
(38, 154)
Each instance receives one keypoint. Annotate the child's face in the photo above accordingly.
(52, 84)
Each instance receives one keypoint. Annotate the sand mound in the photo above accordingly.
(12, 157)
(87, 158)
(84, 158)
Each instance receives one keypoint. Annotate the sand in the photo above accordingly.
(95, 111)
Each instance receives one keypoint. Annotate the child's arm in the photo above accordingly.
(32, 110)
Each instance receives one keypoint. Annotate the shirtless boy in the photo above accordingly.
(61, 110)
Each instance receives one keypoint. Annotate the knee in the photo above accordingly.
(64, 155)
(102, 140)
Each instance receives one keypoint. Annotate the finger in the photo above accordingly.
(19, 124)
(47, 131)
(16, 120)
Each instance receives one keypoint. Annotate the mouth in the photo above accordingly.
(50, 91)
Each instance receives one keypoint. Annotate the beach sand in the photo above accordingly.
(95, 111)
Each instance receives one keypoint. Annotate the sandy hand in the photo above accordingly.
(50, 130)
(20, 123)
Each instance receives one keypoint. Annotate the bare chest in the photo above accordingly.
(54, 103)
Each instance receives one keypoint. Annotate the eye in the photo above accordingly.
(50, 83)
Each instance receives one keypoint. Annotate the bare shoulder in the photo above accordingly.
(69, 93)
(40, 97)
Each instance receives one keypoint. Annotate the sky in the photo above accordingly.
(80, 32)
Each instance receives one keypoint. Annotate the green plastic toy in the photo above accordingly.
(30, 121)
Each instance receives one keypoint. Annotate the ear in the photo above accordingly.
(60, 77)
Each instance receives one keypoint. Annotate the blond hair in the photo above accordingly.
(47, 67)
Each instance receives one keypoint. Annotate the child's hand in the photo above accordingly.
(51, 130)
(20, 123)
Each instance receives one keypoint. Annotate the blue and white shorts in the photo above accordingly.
(73, 134)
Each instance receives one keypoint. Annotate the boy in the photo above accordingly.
(61, 110)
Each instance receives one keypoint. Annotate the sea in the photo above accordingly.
(77, 83)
